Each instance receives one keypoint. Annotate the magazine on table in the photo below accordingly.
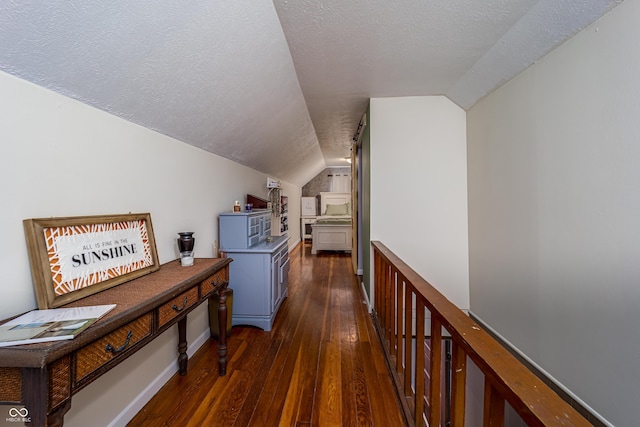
(50, 325)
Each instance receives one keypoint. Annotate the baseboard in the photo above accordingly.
(143, 398)
(366, 297)
(293, 246)
(566, 394)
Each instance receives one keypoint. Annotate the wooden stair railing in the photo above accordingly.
(397, 286)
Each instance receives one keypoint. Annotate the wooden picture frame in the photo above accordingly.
(74, 257)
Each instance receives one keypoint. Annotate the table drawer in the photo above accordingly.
(172, 309)
(210, 283)
(109, 347)
(10, 384)
(59, 384)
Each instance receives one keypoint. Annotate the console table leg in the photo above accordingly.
(36, 397)
(222, 332)
(36, 394)
(183, 359)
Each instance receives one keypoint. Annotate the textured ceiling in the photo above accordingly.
(279, 89)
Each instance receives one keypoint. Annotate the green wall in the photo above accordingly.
(366, 204)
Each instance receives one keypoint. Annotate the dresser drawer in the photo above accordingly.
(109, 347)
(210, 283)
(172, 309)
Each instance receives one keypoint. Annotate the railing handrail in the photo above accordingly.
(534, 400)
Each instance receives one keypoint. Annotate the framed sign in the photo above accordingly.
(74, 257)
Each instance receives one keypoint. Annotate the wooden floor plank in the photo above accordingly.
(360, 387)
(328, 403)
(260, 378)
(320, 365)
(307, 370)
(226, 410)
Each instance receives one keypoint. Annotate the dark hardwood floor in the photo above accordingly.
(321, 365)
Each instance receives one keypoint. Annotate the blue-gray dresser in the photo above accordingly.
(259, 273)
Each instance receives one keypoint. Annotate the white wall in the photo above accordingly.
(419, 188)
(59, 157)
(554, 213)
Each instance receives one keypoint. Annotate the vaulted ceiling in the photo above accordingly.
(277, 85)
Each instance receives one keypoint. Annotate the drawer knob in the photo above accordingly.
(110, 349)
(179, 309)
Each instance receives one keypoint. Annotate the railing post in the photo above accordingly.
(379, 296)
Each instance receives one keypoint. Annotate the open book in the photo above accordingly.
(50, 325)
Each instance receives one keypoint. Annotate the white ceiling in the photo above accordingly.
(280, 85)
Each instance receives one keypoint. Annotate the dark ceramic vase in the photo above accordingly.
(186, 241)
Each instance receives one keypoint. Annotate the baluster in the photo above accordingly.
(493, 415)
(398, 307)
(408, 336)
(390, 294)
(436, 371)
(420, 377)
(458, 384)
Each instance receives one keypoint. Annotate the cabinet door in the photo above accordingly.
(238, 231)
(249, 277)
(267, 225)
(275, 294)
(253, 231)
(284, 276)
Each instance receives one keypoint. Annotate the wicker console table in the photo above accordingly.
(43, 377)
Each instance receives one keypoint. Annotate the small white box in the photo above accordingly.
(273, 183)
